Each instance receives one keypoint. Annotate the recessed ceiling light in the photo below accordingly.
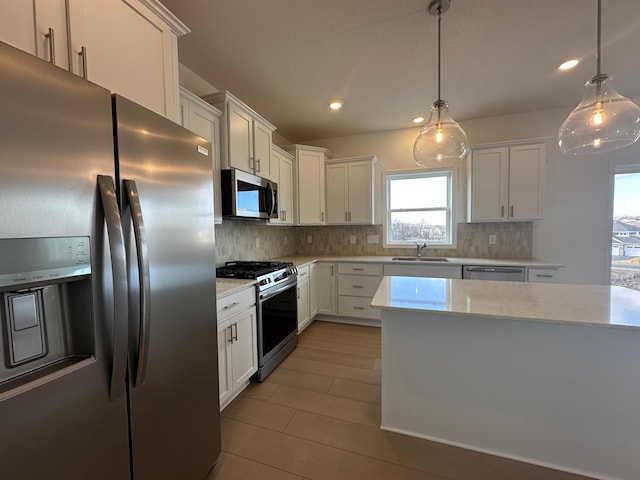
(569, 64)
(418, 119)
(335, 105)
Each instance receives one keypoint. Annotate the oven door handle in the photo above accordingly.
(271, 293)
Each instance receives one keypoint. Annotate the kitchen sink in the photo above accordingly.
(421, 259)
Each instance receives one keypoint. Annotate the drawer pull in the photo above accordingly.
(358, 269)
(231, 305)
(358, 308)
(303, 274)
(358, 286)
(543, 276)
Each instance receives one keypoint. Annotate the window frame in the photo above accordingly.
(453, 202)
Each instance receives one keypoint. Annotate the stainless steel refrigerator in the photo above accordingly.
(108, 351)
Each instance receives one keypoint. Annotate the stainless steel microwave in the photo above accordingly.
(247, 196)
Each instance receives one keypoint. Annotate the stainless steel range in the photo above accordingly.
(277, 305)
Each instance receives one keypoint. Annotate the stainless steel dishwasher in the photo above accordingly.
(507, 274)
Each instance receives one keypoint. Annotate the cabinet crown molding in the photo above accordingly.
(365, 158)
(165, 14)
(227, 96)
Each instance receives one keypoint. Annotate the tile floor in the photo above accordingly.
(317, 416)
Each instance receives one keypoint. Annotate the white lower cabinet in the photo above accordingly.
(237, 344)
(326, 291)
(313, 290)
(304, 313)
(357, 284)
(422, 270)
(542, 275)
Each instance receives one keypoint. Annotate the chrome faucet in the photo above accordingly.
(419, 248)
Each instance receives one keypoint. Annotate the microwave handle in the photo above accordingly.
(271, 199)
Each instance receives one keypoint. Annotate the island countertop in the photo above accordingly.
(597, 305)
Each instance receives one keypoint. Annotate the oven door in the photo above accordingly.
(277, 319)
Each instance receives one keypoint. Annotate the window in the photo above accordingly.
(419, 208)
(625, 240)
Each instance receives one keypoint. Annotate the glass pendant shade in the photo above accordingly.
(441, 142)
(604, 120)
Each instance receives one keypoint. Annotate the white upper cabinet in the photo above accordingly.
(204, 120)
(129, 47)
(309, 183)
(350, 191)
(246, 136)
(506, 183)
(282, 170)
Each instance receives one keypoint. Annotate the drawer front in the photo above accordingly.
(303, 274)
(358, 285)
(357, 307)
(360, 268)
(542, 275)
(236, 302)
(436, 271)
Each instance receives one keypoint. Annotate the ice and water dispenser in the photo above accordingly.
(45, 310)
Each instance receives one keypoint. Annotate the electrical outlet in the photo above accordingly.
(492, 239)
(373, 238)
(257, 243)
(309, 239)
(352, 239)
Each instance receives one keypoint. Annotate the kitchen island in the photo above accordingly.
(543, 373)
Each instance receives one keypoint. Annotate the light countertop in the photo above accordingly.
(228, 286)
(300, 260)
(576, 304)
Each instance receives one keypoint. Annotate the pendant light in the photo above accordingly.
(604, 120)
(441, 142)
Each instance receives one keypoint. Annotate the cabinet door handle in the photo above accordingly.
(332, 270)
(298, 293)
(257, 164)
(231, 305)
(358, 308)
(511, 211)
(52, 45)
(230, 330)
(235, 336)
(349, 216)
(543, 276)
(502, 211)
(83, 54)
(322, 216)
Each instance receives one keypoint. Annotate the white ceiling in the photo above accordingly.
(288, 58)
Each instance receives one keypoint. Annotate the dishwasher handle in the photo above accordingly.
(495, 269)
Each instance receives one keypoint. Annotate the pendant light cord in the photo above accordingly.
(439, 103)
(599, 37)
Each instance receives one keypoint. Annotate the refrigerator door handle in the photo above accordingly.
(120, 285)
(131, 192)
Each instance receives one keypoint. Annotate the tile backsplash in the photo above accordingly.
(236, 240)
(242, 240)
